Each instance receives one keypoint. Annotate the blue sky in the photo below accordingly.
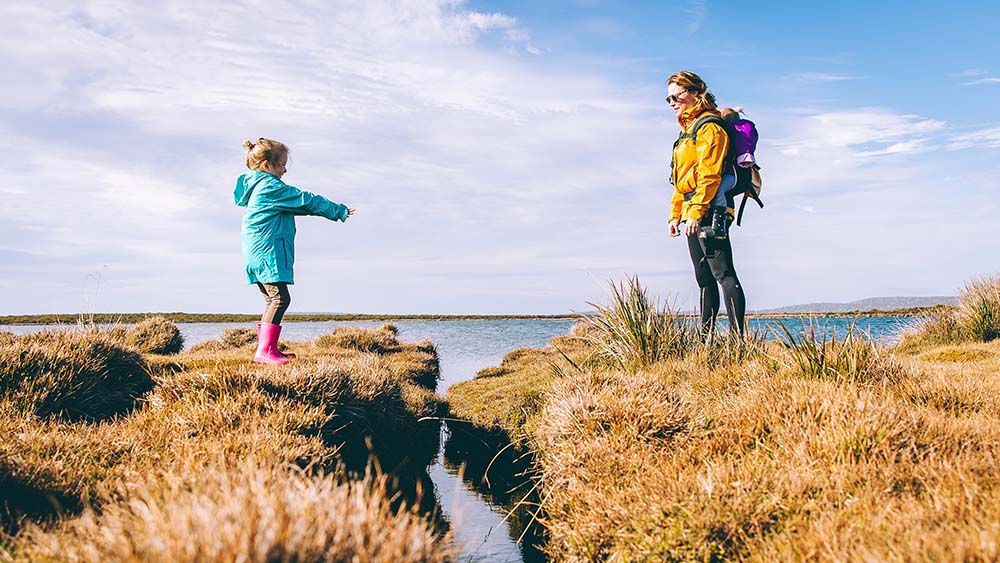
(504, 157)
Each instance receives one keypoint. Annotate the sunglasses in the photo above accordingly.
(675, 97)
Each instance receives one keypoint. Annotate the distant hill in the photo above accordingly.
(869, 304)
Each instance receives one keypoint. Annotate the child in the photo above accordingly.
(746, 136)
(269, 235)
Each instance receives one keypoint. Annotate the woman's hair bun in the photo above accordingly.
(248, 145)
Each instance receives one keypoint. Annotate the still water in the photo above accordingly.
(465, 347)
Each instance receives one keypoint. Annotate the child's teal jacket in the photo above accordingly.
(269, 224)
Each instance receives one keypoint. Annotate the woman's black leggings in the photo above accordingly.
(713, 266)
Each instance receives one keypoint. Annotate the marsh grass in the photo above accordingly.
(326, 412)
(940, 328)
(979, 309)
(238, 337)
(816, 447)
(677, 464)
(817, 353)
(361, 339)
(728, 350)
(155, 335)
(633, 331)
(246, 510)
(976, 318)
(77, 375)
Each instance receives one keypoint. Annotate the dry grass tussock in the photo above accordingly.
(252, 510)
(78, 375)
(975, 319)
(238, 337)
(317, 413)
(155, 335)
(362, 339)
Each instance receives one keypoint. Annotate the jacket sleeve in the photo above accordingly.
(291, 199)
(710, 146)
(676, 204)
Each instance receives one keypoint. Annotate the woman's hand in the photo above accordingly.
(692, 228)
(350, 211)
(675, 228)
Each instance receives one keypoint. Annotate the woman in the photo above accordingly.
(700, 182)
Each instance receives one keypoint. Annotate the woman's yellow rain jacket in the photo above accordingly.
(697, 166)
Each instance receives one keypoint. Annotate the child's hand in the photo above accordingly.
(350, 212)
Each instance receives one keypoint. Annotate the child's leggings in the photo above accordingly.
(276, 301)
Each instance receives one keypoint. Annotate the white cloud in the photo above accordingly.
(982, 139)
(696, 10)
(989, 80)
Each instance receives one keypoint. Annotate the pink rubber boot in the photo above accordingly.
(267, 345)
(289, 355)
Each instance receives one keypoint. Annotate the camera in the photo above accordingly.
(716, 228)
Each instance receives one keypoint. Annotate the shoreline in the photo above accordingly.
(177, 317)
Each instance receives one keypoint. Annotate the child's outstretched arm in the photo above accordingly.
(290, 198)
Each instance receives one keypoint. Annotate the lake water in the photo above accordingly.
(465, 347)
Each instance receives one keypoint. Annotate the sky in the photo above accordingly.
(503, 156)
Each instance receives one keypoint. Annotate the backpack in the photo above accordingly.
(743, 137)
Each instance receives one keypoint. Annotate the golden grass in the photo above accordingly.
(633, 331)
(879, 458)
(237, 337)
(975, 319)
(83, 374)
(362, 339)
(155, 335)
(965, 353)
(240, 510)
(324, 410)
(505, 399)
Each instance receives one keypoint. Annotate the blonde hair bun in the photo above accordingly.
(264, 151)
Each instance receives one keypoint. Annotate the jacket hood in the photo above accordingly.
(245, 185)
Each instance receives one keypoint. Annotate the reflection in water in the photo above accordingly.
(507, 485)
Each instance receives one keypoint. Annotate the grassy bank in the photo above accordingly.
(112, 455)
(799, 450)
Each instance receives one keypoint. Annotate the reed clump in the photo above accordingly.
(155, 335)
(633, 331)
(976, 318)
(378, 340)
(855, 358)
(75, 374)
